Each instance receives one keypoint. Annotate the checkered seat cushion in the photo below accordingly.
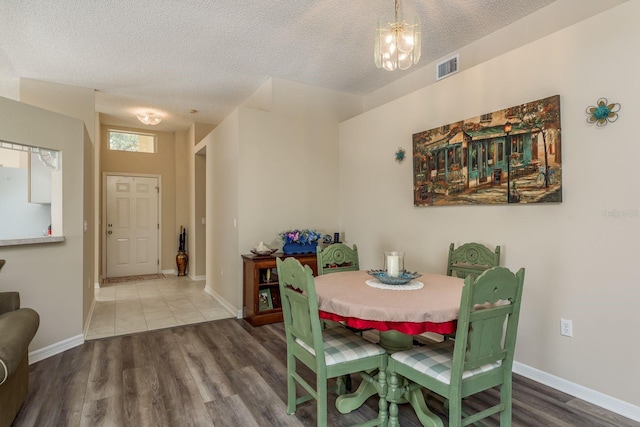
(436, 361)
(342, 345)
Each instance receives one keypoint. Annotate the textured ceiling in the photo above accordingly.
(172, 56)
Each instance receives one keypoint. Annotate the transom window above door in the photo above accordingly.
(135, 142)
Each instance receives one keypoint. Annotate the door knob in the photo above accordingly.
(109, 232)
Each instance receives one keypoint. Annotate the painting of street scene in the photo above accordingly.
(511, 156)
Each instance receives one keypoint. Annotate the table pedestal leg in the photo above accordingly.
(401, 391)
(348, 402)
(426, 417)
(394, 341)
(393, 388)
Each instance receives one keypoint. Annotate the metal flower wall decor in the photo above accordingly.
(400, 155)
(603, 113)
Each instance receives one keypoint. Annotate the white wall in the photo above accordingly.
(50, 276)
(222, 209)
(269, 171)
(77, 102)
(580, 262)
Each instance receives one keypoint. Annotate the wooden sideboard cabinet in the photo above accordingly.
(261, 290)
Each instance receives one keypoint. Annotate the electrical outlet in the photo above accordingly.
(566, 328)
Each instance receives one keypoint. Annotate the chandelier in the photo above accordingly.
(397, 45)
(149, 118)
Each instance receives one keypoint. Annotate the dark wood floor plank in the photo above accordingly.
(211, 380)
(268, 409)
(105, 374)
(179, 391)
(107, 412)
(600, 414)
(219, 345)
(72, 385)
(228, 373)
(231, 411)
(143, 403)
(135, 351)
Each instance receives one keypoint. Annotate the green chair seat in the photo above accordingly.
(341, 345)
(436, 361)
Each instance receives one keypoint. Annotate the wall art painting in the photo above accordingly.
(511, 156)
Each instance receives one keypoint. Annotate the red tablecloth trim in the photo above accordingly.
(410, 328)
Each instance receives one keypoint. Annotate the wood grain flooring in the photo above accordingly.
(228, 373)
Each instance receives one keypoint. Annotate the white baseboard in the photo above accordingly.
(229, 307)
(53, 349)
(168, 272)
(588, 395)
(198, 277)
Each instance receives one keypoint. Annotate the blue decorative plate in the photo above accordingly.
(404, 277)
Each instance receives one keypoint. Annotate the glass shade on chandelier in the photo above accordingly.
(397, 45)
(149, 118)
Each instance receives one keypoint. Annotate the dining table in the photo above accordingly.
(428, 303)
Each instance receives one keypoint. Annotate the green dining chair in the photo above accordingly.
(481, 356)
(337, 257)
(329, 353)
(471, 258)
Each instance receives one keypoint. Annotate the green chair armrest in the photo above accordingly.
(9, 301)
(17, 329)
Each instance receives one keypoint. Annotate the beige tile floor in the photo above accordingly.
(130, 307)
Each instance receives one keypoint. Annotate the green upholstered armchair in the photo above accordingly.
(18, 326)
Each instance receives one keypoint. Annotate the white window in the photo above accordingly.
(132, 141)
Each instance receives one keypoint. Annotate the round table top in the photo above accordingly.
(347, 294)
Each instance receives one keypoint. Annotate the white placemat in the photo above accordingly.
(412, 285)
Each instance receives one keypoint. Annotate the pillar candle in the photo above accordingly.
(393, 265)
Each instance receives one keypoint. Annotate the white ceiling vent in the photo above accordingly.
(448, 67)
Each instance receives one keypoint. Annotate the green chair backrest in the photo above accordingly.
(471, 258)
(300, 306)
(481, 336)
(337, 257)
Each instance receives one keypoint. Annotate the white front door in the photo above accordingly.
(132, 226)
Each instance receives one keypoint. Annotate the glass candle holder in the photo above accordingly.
(393, 263)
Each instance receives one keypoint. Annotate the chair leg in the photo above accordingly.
(291, 385)
(455, 412)
(322, 401)
(505, 399)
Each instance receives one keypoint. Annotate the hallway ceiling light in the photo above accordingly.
(149, 118)
(397, 45)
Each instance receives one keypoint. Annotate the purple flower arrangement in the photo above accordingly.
(301, 237)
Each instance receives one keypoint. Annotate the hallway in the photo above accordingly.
(131, 307)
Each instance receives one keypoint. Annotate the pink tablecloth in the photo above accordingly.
(434, 308)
